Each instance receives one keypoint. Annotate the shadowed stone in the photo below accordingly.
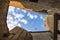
(19, 34)
(3, 14)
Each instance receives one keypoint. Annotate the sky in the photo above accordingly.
(28, 20)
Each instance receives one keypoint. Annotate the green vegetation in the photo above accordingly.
(12, 33)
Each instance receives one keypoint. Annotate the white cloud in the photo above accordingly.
(10, 26)
(35, 16)
(24, 11)
(19, 25)
(11, 9)
(41, 17)
(15, 22)
(19, 15)
(32, 16)
(18, 8)
(11, 23)
(13, 13)
(9, 17)
(24, 21)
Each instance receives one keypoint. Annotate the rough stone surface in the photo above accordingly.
(35, 6)
(3, 14)
(41, 4)
(41, 36)
(19, 34)
(53, 11)
(50, 19)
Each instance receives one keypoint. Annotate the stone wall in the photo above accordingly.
(41, 4)
(19, 34)
(50, 20)
(3, 14)
(41, 36)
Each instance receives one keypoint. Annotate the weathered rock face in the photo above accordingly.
(19, 34)
(50, 24)
(41, 4)
(50, 20)
(53, 11)
(41, 36)
(32, 5)
(3, 14)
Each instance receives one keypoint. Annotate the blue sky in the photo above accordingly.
(30, 21)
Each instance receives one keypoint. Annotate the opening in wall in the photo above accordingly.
(28, 20)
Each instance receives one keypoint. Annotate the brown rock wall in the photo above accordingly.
(3, 14)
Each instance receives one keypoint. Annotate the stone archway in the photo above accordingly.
(4, 4)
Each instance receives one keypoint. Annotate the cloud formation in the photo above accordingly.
(19, 15)
(11, 9)
(11, 23)
(24, 21)
(12, 17)
(24, 11)
(32, 16)
(41, 17)
(22, 18)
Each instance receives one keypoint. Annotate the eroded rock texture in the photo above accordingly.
(19, 34)
(3, 14)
